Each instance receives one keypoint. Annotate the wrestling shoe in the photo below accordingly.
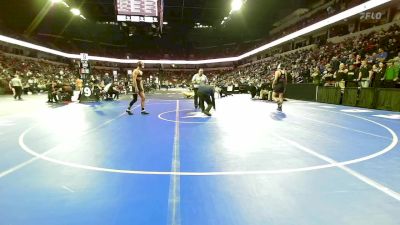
(279, 107)
(207, 113)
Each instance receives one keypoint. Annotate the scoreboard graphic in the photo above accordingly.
(137, 7)
(138, 10)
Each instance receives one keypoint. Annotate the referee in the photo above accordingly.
(206, 94)
(197, 80)
(16, 86)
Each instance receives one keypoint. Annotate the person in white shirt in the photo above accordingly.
(16, 85)
(197, 80)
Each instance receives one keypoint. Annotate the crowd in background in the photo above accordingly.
(34, 74)
(371, 60)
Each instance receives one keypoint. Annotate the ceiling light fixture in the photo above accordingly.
(76, 12)
(236, 5)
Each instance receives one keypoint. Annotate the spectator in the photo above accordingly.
(335, 63)
(376, 74)
(341, 76)
(382, 55)
(351, 80)
(107, 79)
(363, 75)
(316, 76)
(397, 71)
(328, 76)
(390, 75)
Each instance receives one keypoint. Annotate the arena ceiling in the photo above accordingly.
(253, 21)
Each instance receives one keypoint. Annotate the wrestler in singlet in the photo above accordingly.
(138, 89)
(139, 82)
(279, 85)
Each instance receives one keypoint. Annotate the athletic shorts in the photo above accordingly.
(279, 88)
(140, 86)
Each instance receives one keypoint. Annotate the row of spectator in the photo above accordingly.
(366, 60)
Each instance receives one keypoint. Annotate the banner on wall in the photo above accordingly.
(87, 93)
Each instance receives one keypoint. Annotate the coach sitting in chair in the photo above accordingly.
(206, 94)
(111, 92)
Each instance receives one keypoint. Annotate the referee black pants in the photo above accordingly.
(253, 91)
(18, 92)
(205, 98)
(196, 98)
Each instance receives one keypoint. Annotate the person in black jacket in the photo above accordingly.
(206, 94)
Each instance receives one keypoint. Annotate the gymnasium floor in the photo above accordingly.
(91, 164)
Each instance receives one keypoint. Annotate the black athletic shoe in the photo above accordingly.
(144, 112)
(207, 113)
(279, 107)
(129, 112)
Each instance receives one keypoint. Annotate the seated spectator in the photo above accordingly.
(335, 63)
(392, 46)
(382, 55)
(266, 90)
(113, 91)
(370, 58)
(357, 63)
